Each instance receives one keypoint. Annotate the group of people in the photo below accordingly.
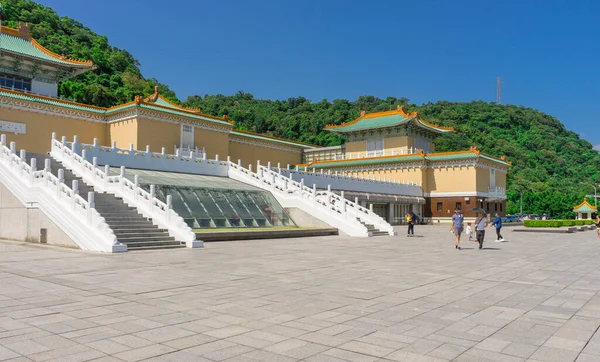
(481, 223)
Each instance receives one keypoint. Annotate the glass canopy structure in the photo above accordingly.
(211, 201)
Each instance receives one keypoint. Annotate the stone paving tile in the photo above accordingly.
(324, 299)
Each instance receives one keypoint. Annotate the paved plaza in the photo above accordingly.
(533, 298)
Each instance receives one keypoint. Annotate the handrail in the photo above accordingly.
(335, 206)
(130, 191)
(66, 201)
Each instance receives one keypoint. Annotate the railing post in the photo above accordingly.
(61, 179)
(343, 201)
(131, 147)
(288, 166)
(121, 178)
(83, 155)
(228, 160)
(163, 152)
(217, 158)
(53, 136)
(169, 207)
(114, 145)
(239, 163)
(356, 200)
(204, 156)
(22, 156)
(75, 145)
(151, 200)
(148, 153)
(315, 192)
(3, 140)
(46, 171)
(136, 182)
(75, 187)
(250, 167)
(301, 188)
(13, 147)
(328, 195)
(106, 174)
(371, 207)
(91, 205)
(94, 167)
(33, 169)
(95, 143)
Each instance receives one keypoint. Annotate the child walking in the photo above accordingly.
(469, 231)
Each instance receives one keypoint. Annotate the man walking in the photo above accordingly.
(411, 224)
(457, 225)
(480, 225)
(498, 224)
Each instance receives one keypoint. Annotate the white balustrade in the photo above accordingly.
(348, 183)
(161, 213)
(324, 205)
(184, 160)
(76, 216)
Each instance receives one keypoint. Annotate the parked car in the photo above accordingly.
(512, 218)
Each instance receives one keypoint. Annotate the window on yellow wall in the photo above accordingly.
(374, 147)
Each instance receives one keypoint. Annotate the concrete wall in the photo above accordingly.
(24, 224)
(157, 135)
(40, 128)
(453, 179)
(214, 143)
(304, 219)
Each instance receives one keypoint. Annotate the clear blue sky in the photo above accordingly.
(546, 51)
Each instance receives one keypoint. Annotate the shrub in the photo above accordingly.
(556, 223)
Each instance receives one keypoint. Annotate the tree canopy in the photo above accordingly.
(552, 167)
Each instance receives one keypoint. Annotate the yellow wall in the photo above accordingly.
(249, 154)
(157, 135)
(409, 174)
(500, 178)
(451, 179)
(214, 143)
(125, 133)
(40, 127)
(483, 180)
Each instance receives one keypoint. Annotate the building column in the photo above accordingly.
(391, 213)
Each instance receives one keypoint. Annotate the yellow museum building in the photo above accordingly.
(394, 145)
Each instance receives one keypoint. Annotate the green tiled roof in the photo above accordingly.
(407, 158)
(585, 209)
(250, 135)
(450, 156)
(373, 122)
(366, 161)
(49, 101)
(183, 113)
(22, 46)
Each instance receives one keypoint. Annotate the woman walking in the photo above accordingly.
(411, 224)
(480, 225)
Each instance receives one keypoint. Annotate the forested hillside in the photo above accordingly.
(552, 166)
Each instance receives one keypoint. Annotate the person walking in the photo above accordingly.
(411, 224)
(598, 226)
(498, 224)
(480, 225)
(457, 225)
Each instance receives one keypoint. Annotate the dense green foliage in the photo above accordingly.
(552, 167)
(117, 78)
(556, 223)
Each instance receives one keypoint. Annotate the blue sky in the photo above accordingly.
(545, 51)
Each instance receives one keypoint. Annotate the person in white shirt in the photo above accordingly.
(480, 225)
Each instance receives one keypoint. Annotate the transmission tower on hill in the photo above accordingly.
(498, 90)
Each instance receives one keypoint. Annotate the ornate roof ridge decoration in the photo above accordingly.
(58, 100)
(585, 206)
(23, 33)
(238, 132)
(399, 111)
(156, 96)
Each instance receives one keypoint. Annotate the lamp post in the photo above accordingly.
(521, 203)
(595, 198)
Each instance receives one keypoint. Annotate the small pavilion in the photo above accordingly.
(585, 210)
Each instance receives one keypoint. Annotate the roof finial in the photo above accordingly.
(155, 89)
(225, 117)
(24, 30)
(400, 107)
(362, 113)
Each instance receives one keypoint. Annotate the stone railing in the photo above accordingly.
(333, 209)
(380, 153)
(187, 162)
(497, 193)
(76, 216)
(340, 181)
(161, 213)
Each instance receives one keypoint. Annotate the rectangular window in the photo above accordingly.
(187, 137)
(500, 207)
(458, 206)
(492, 178)
(439, 207)
(15, 83)
(495, 206)
(374, 147)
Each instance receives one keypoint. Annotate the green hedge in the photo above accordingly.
(557, 223)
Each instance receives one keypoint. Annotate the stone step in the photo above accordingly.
(155, 247)
(125, 229)
(140, 234)
(151, 243)
(142, 239)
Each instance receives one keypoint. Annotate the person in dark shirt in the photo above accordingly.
(498, 224)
